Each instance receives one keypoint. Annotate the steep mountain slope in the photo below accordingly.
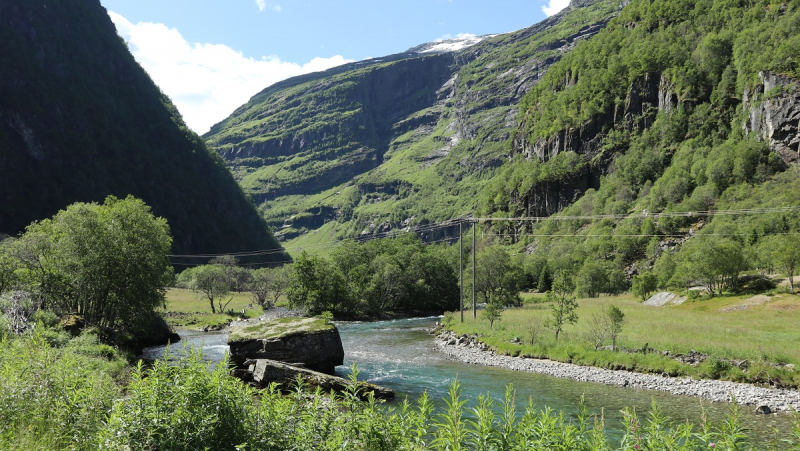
(676, 107)
(80, 120)
(397, 141)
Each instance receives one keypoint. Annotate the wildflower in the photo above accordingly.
(711, 445)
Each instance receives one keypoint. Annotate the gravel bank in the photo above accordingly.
(465, 350)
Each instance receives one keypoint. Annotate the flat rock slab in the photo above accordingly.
(262, 372)
(665, 298)
(312, 343)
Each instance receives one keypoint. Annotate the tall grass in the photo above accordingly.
(731, 327)
(65, 397)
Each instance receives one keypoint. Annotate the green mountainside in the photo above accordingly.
(404, 140)
(80, 120)
(676, 106)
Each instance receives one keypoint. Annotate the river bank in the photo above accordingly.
(467, 350)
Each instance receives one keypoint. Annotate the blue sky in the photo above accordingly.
(211, 56)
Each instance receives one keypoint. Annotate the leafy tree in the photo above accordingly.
(644, 284)
(212, 282)
(785, 254)
(498, 278)
(717, 263)
(493, 312)
(316, 285)
(106, 262)
(592, 279)
(563, 304)
(8, 266)
(616, 319)
(236, 276)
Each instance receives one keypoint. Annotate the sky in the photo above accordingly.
(212, 56)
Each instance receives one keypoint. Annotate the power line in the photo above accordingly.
(431, 227)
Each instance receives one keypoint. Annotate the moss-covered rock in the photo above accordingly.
(312, 343)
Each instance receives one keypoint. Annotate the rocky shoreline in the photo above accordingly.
(468, 350)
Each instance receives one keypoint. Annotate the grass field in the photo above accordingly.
(764, 330)
(188, 310)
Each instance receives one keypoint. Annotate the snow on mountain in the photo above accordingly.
(449, 45)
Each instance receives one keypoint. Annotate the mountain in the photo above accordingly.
(80, 120)
(676, 110)
(390, 142)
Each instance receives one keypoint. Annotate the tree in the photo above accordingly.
(644, 284)
(616, 319)
(236, 276)
(785, 254)
(493, 312)
(497, 277)
(317, 285)
(563, 304)
(592, 279)
(8, 266)
(106, 262)
(717, 263)
(213, 283)
(267, 285)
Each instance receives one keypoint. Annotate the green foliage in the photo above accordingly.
(211, 281)
(378, 276)
(644, 284)
(498, 277)
(493, 312)
(106, 262)
(268, 285)
(56, 398)
(616, 319)
(563, 304)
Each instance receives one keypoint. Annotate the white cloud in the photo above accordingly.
(263, 5)
(554, 7)
(206, 81)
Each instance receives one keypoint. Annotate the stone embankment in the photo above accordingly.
(468, 349)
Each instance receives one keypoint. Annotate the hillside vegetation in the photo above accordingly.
(81, 120)
(676, 106)
(392, 142)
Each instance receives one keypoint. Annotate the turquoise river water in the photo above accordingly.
(401, 355)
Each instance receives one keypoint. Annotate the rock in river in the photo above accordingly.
(312, 343)
(261, 372)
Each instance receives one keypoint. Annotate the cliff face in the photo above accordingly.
(773, 114)
(80, 120)
(433, 126)
(328, 131)
(689, 67)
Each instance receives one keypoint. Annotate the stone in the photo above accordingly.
(764, 410)
(73, 324)
(265, 372)
(313, 343)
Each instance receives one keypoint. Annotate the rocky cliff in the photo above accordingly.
(773, 114)
(396, 141)
(80, 120)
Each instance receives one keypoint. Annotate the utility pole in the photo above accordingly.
(461, 265)
(474, 251)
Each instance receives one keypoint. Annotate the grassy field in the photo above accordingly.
(188, 310)
(761, 329)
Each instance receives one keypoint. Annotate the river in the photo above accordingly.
(401, 355)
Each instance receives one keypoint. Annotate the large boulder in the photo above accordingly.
(312, 343)
(261, 373)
